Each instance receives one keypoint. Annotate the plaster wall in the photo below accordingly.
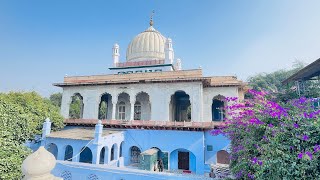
(167, 141)
(107, 142)
(209, 93)
(159, 96)
(218, 143)
(82, 171)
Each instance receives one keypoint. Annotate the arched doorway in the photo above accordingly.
(182, 159)
(68, 153)
(53, 148)
(142, 107)
(104, 155)
(218, 108)
(180, 107)
(135, 155)
(223, 157)
(76, 107)
(105, 107)
(86, 155)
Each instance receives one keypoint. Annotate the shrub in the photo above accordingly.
(271, 140)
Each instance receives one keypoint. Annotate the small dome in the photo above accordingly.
(148, 45)
(39, 164)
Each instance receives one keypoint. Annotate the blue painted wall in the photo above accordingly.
(169, 141)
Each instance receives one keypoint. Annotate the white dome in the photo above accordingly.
(148, 45)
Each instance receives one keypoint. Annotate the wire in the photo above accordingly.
(80, 151)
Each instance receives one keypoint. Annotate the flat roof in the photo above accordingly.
(80, 133)
(151, 77)
(306, 73)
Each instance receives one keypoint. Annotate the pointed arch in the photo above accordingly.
(123, 106)
(105, 106)
(142, 106)
(76, 106)
(180, 107)
(218, 108)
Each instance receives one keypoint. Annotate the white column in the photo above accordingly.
(61, 153)
(131, 109)
(114, 109)
(95, 154)
(65, 104)
(91, 105)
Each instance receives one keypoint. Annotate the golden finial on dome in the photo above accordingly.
(151, 18)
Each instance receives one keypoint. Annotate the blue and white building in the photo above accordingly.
(149, 119)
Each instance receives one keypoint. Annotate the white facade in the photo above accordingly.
(159, 97)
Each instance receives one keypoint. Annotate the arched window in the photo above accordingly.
(122, 111)
(104, 109)
(102, 155)
(114, 152)
(86, 155)
(120, 149)
(218, 110)
(68, 153)
(180, 107)
(137, 111)
(135, 154)
(53, 149)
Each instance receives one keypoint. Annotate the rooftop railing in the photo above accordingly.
(146, 123)
(140, 63)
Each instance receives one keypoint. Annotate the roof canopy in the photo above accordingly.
(306, 73)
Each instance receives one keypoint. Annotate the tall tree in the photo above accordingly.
(56, 99)
(21, 118)
(272, 83)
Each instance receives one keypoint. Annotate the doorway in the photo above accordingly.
(183, 160)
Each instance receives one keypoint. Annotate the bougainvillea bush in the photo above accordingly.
(273, 141)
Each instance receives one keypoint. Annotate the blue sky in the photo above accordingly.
(41, 41)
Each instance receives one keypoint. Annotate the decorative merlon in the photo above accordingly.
(38, 166)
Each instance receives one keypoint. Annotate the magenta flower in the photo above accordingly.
(316, 148)
(309, 154)
(254, 160)
(255, 121)
(305, 137)
(216, 132)
(300, 155)
(295, 125)
(270, 125)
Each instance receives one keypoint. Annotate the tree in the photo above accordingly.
(21, 118)
(76, 107)
(56, 99)
(103, 110)
(272, 83)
